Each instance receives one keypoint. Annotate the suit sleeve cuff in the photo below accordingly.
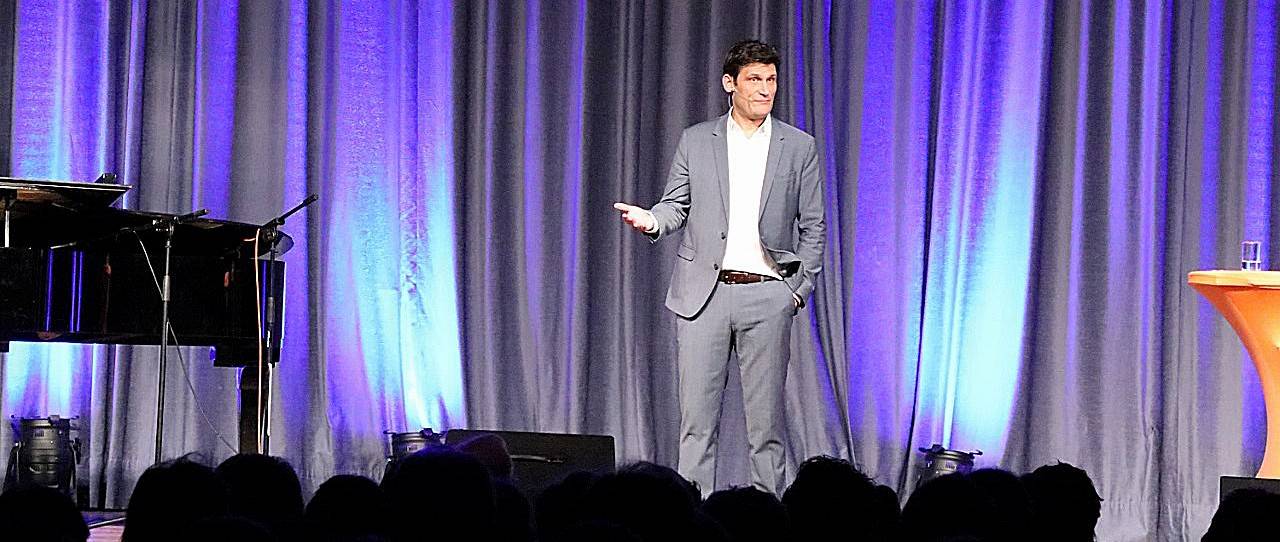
(654, 220)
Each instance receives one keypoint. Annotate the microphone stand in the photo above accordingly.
(7, 198)
(270, 235)
(166, 225)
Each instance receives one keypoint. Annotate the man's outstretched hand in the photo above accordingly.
(639, 218)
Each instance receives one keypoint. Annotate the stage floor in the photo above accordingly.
(104, 525)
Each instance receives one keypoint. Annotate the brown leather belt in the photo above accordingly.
(742, 277)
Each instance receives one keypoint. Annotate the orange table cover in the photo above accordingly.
(1250, 301)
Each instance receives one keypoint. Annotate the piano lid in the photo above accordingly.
(53, 214)
(62, 193)
(206, 236)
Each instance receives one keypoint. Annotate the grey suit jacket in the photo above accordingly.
(792, 228)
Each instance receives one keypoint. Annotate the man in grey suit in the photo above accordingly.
(748, 191)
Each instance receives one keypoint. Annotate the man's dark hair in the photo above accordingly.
(1012, 504)
(950, 507)
(1245, 514)
(1067, 506)
(830, 492)
(562, 505)
(650, 500)
(748, 514)
(171, 497)
(749, 52)
(40, 514)
(347, 507)
(264, 489)
(441, 490)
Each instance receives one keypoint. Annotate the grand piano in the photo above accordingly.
(73, 269)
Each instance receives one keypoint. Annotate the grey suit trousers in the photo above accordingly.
(754, 320)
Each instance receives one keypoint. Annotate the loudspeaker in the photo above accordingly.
(1227, 484)
(543, 459)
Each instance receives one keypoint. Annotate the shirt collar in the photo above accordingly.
(763, 130)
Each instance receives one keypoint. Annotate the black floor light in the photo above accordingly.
(46, 452)
(939, 461)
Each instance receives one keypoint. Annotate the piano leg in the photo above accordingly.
(254, 429)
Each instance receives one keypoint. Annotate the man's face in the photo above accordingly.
(753, 90)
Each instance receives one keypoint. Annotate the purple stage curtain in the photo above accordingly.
(1016, 191)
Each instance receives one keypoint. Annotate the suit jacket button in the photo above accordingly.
(715, 266)
(722, 236)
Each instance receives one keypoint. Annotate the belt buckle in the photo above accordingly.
(739, 277)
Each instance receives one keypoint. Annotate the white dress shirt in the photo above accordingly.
(748, 156)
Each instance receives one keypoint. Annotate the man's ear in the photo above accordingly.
(727, 82)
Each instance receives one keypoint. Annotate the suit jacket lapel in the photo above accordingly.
(721, 151)
(771, 165)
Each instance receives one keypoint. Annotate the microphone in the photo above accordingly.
(279, 220)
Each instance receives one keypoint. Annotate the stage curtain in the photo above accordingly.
(1015, 193)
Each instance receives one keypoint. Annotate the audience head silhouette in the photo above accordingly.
(491, 451)
(1245, 514)
(40, 514)
(513, 518)
(170, 498)
(951, 508)
(264, 489)
(650, 501)
(224, 528)
(1012, 504)
(1067, 506)
(439, 493)
(595, 531)
(346, 508)
(560, 507)
(749, 514)
(829, 493)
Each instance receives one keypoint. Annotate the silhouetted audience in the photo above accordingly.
(1066, 504)
(40, 514)
(443, 493)
(224, 528)
(513, 518)
(748, 514)
(1012, 504)
(492, 452)
(653, 502)
(440, 493)
(347, 508)
(1245, 514)
(561, 506)
(830, 494)
(951, 508)
(172, 497)
(596, 531)
(265, 490)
